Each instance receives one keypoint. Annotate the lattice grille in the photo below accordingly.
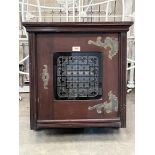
(78, 75)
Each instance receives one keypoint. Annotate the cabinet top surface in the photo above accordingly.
(69, 24)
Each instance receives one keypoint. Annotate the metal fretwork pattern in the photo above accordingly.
(78, 75)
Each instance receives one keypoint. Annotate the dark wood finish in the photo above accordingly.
(122, 78)
(33, 82)
(74, 108)
(47, 38)
(78, 125)
(77, 27)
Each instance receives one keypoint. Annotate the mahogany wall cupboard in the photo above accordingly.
(77, 74)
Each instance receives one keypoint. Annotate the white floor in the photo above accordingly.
(88, 141)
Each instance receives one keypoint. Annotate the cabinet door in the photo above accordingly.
(79, 84)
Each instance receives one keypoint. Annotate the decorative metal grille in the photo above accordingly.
(78, 75)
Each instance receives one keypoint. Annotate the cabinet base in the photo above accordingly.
(43, 124)
(78, 125)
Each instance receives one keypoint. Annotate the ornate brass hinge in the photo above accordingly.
(107, 107)
(45, 76)
(108, 42)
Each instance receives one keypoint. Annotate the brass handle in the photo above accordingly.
(45, 76)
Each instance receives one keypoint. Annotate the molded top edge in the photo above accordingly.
(72, 24)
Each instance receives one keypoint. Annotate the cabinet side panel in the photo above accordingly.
(33, 95)
(122, 78)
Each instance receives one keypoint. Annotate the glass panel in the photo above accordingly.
(78, 75)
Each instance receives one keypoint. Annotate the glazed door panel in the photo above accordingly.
(51, 48)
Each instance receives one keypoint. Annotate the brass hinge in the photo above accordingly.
(108, 42)
(107, 107)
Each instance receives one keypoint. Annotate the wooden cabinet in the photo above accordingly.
(77, 74)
